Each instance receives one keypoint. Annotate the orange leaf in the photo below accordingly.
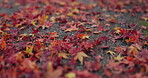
(118, 49)
(3, 43)
(72, 28)
(80, 56)
(64, 55)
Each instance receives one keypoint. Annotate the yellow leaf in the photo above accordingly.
(33, 23)
(80, 56)
(75, 10)
(43, 19)
(62, 3)
(118, 58)
(50, 67)
(64, 55)
(74, 3)
(133, 50)
(138, 46)
(70, 75)
(29, 50)
(70, 14)
(111, 52)
(116, 28)
(85, 36)
(52, 19)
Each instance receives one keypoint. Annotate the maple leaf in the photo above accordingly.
(111, 52)
(71, 14)
(3, 43)
(19, 56)
(117, 30)
(118, 58)
(138, 46)
(64, 55)
(85, 36)
(118, 49)
(133, 50)
(51, 73)
(70, 75)
(80, 56)
(43, 19)
(112, 20)
(107, 73)
(82, 36)
(29, 50)
(72, 28)
(54, 34)
(53, 19)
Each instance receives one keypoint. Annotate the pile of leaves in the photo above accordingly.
(70, 39)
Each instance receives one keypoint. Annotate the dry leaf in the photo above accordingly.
(29, 49)
(133, 50)
(64, 55)
(111, 52)
(80, 56)
(70, 75)
(118, 58)
(3, 43)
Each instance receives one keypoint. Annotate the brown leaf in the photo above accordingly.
(72, 28)
(64, 55)
(133, 50)
(80, 56)
(51, 73)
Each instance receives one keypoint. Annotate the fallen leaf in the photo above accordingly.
(70, 75)
(118, 49)
(133, 50)
(43, 19)
(118, 58)
(112, 20)
(80, 56)
(111, 52)
(85, 36)
(29, 49)
(64, 55)
(51, 73)
(3, 43)
(72, 28)
(107, 73)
